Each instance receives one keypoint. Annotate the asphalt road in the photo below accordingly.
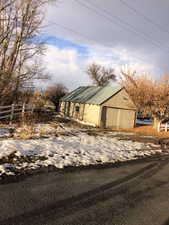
(132, 194)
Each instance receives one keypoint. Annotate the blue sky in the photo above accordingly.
(83, 50)
(63, 43)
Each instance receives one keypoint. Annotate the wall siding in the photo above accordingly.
(62, 106)
(120, 100)
(87, 112)
(92, 114)
(120, 111)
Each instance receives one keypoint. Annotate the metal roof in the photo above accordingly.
(91, 94)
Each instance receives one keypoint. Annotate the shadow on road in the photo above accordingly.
(166, 222)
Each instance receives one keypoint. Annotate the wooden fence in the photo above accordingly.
(11, 111)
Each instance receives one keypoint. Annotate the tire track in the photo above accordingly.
(77, 203)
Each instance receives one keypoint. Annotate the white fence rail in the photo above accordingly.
(10, 111)
(163, 127)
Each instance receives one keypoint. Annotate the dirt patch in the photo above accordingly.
(124, 135)
(140, 138)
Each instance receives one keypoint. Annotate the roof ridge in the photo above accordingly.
(91, 94)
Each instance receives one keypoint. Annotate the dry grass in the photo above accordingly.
(147, 130)
(26, 132)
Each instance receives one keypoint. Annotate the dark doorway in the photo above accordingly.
(103, 117)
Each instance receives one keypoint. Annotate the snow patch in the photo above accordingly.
(5, 132)
(72, 150)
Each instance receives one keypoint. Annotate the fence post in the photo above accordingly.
(166, 126)
(158, 126)
(12, 112)
(23, 110)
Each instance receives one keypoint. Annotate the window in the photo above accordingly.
(77, 108)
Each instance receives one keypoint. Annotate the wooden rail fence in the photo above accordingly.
(10, 111)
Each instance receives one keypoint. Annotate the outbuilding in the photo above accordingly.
(108, 107)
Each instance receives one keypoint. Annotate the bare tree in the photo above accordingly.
(20, 22)
(55, 92)
(149, 95)
(100, 75)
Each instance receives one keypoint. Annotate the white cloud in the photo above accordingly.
(68, 67)
(119, 56)
(148, 51)
(64, 66)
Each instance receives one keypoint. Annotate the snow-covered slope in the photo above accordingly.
(70, 150)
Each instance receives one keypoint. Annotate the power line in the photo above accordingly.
(88, 39)
(79, 35)
(72, 31)
(145, 17)
(109, 17)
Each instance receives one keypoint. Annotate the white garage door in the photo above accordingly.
(119, 118)
(112, 117)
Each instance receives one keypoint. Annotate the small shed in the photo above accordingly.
(108, 107)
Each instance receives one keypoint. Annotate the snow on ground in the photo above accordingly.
(5, 132)
(69, 150)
